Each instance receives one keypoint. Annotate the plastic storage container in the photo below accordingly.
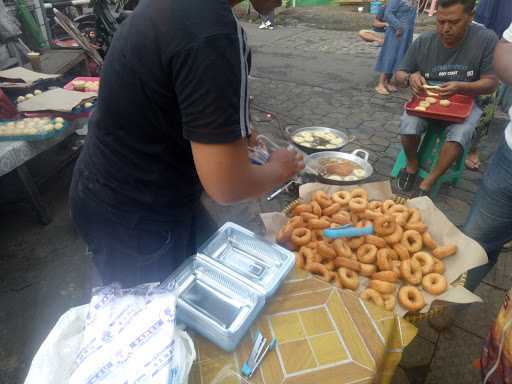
(223, 288)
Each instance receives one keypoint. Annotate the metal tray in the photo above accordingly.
(258, 263)
(214, 304)
(345, 139)
(313, 162)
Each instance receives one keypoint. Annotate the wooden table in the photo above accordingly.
(60, 61)
(325, 335)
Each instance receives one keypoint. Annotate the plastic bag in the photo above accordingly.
(60, 356)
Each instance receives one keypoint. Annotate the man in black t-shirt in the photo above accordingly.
(458, 59)
(171, 120)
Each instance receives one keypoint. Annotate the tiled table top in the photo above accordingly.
(325, 335)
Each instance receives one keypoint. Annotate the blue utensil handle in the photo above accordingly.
(334, 233)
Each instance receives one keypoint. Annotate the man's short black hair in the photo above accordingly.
(469, 5)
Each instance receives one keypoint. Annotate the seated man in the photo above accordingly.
(458, 58)
(379, 28)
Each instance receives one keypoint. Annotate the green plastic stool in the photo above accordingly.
(428, 155)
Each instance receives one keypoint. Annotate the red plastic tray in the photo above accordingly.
(457, 112)
(69, 86)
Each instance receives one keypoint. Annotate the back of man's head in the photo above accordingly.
(469, 5)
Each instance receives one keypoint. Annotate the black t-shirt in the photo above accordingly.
(176, 72)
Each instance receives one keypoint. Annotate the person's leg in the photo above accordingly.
(381, 86)
(458, 138)
(370, 36)
(490, 219)
(389, 83)
(411, 129)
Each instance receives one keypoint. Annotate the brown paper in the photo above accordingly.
(470, 254)
(20, 77)
(60, 100)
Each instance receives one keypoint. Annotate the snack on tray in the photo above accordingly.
(401, 259)
(31, 126)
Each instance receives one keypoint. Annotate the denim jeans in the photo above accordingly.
(490, 218)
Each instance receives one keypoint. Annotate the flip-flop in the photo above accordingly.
(405, 180)
(381, 91)
(392, 90)
(472, 165)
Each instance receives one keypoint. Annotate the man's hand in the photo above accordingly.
(287, 162)
(449, 89)
(416, 82)
(399, 32)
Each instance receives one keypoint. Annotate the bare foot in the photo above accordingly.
(391, 88)
(472, 162)
(381, 89)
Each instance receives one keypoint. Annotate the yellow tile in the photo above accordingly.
(208, 351)
(214, 371)
(316, 321)
(296, 356)
(328, 348)
(349, 332)
(287, 327)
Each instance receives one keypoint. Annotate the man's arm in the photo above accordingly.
(485, 86)
(379, 23)
(228, 176)
(503, 60)
(414, 80)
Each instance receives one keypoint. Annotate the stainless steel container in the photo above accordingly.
(223, 288)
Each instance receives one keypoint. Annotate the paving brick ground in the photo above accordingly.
(303, 76)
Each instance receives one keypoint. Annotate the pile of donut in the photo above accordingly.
(401, 248)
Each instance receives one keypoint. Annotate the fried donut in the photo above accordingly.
(349, 279)
(317, 209)
(417, 226)
(428, 241)
(358, 204)
(320, 269)
(369, 214)
(356, 242)
(379, 242)
(337, 281)
(299, 259)
(306, 216)
(319, 224)
(367, 269)
(312, 244)
(308, 255)
(396, 267)
(438, 266)
(382, 286)
(410, 270)
(401, 251)
(341, 197)
(367, 253)
(396, 236)
(385, 225)
(386, 205)
(411, 298)
(389, 302)
(402, 218)
(445, 251)
(359, 192)
(301, 236)
(426, 261)
(284, 234)
(412, 241)
(330, 265)
(342, 249)
(325, 251)
(322, 199)
(415, 215)
(434, 283)
(301, 208)
(388, 276)
(296, 222)
(384, 261)
(397, 209)
(342, 218)
(375, 205)
(331, 210)
(343, 262)
(373, 296)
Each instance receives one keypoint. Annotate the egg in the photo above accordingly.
(29, 96)
(37, 92)
(20, 99)
(49, 127)
(88, 105)
(59, 120)
(59, 126)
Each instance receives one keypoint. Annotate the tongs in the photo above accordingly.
(258, 352)
(348, 231)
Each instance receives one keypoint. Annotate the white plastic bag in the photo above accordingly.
(56, 360)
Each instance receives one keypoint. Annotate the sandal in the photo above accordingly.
(405, 180)
(382, 91)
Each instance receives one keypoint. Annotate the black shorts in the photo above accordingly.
(135, 252)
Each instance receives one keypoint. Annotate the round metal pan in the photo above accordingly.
(359, 156)
(345, 139)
